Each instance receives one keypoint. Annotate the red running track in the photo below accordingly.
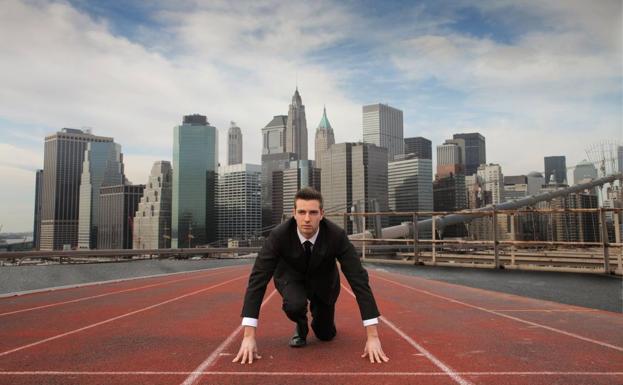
(184, 329)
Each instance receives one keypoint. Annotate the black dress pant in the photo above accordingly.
(295, 306)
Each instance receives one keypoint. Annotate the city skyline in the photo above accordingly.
(531, 83)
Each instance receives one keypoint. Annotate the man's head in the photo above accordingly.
(308, 211)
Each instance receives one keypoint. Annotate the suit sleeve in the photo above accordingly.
(262, 272)
(357, 278)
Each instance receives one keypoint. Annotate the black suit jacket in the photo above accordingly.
(282, 258)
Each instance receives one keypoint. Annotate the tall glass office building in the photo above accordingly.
(354, 173)
(102, 166)
(63, 159)
(239, 202)
(195, 162)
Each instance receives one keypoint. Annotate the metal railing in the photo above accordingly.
(85, 256)
(600, 255)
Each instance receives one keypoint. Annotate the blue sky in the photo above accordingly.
(535, 78)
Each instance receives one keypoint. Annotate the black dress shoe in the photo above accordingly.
(298, 340)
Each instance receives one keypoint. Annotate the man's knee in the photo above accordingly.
(324, 332)
(295, 308)
(325, 335)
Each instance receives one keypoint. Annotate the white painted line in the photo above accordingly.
(548, 310)
(192, 379)
(109, 293)
(302, 374)
(601, 343)
(118, 317)
(73, 286)
(445, 368)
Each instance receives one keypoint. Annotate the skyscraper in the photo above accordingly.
(449, 194)
(272, 189)
(555, 166)
(152, 222)
(475, 152)
(620, 159)
(274, 158)
(62, 170)
(234, 145)
(410, 185)
(300, 173)
(239, 202)
(449, 159)
(102, 166)
(354, 173)
(493, 180)
(584, 171)
(419, 146)
(116, 214)
(296, 128)
(324, 138)
(273, 135)
(195, 160)
(36, 232)
(383, 126)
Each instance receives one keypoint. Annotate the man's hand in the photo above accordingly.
(373, 349)
(248, 347)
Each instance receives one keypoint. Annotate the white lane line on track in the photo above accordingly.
(304, 374)
(78, 285)
(548, 310)
(197, 373)
(109, 293)
(445, 368)
(569, 334)
(119, 317)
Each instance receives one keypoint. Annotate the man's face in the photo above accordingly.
(307, 215)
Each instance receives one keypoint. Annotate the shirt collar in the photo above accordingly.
(312, 239)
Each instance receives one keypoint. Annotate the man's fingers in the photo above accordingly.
(377, 357)
(246, 356)
(239, 355)
(385, 358)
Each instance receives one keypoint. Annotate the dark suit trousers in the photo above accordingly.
(295, 306)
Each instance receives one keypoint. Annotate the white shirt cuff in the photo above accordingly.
(371, 321)
(246, 321)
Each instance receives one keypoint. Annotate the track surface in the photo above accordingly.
(184, 329)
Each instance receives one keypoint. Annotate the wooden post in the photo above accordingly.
(513, 238)
(416, 251)
(434, 237)
(617, 239)
(604, 239)
(365, 235)
(496, 251)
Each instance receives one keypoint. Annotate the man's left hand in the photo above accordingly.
(373, 349)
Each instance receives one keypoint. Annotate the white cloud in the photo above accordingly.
(13, 157)
(240, 61)
(229, 61)
(550, 91)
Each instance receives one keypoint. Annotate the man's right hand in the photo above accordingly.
(248, 347)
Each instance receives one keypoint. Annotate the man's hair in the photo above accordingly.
(308, 194)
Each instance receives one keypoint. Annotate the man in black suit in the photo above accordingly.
(300, 254)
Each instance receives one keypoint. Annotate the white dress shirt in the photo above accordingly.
(247, 321)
